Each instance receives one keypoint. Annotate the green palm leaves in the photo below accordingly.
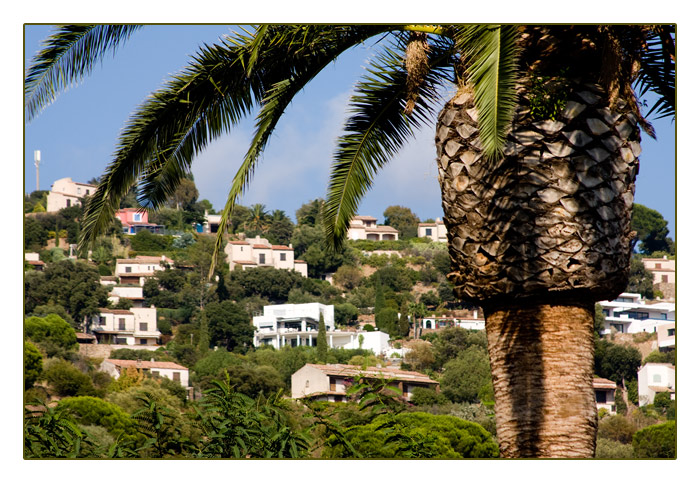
(68, 55)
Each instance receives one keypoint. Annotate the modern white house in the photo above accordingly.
(436, 231)
(65, 192)
(605, 394)
(474, 322)
(297, 325)
(330, 382)
(630, 314)
(136, 326)
(655, 377)
(135, 271)
(366, 228)
(258, 252)
(174, 372)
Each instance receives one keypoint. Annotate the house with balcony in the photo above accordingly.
(629, 314)
(436, 231)
(134, 220)
(474, 321)
(297, 324)
(258, 252)
(174, 372)
(135, 271)
(65, 193)
(133, 327)
(330, 382)
(655, 377)
(605, 394)
(366, 228)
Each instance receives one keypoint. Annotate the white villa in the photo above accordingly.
(174, 372)
(655, 377)
(366, 228)
(630, 314)
(475, 322)
(65, 192)
(258, 252)
(133, 293)
(330, 382)
(135, 271)
(435, 231)
(136, 326)
(297, 324)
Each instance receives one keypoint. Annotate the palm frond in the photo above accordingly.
(288, 58)
(657, 71)
(490, 53)
(68, 55)
(377, 129)
(162, 137)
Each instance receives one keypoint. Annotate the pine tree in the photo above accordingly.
(321, 343)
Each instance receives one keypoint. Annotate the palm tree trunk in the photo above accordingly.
(542, 368)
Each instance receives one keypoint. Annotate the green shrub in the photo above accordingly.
(657, 441)
(613, 450)
(616, 428)
(32, 364)
(88, 410)
(423, 396)
(51, 333)
(67, 380)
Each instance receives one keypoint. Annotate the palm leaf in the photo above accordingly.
(377, 130)
(490, 54)
(68, 55)
(658, 71)
(287, 59)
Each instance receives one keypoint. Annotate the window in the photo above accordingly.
(262, 259)
(122, 324)
(658, 265)
(143, 341)
(127, 269)
(67, 202)
(155, 373)
(671, 332)
(176, 376)
(283, 257)
(664, 278)
(428, 232)
(137, 216)
(656, 378)
(120, 340)
(601, 397)
(87, 192)
(143, 326)
(103, 320)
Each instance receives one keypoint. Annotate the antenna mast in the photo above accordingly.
(37, 160)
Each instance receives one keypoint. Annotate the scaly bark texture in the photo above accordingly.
(542, 369)
(540, 234)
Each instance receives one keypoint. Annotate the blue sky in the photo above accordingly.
(77, 133)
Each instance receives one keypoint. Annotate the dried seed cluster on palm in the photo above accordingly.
(550, 215)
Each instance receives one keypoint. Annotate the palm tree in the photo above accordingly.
(537, 155)
(258, 219)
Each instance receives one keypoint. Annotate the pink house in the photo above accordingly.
(134, 221)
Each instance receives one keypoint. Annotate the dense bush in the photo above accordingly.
(51, 333)
(657, 441)
(612, 450)
(616, 428)
(67, 380)
(32, 364)
(88, 410)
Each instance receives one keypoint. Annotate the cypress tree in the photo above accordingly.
(321, 343)
(203, 345)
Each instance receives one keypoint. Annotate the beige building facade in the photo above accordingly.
(366, 228)
(258, 252)
(65, 193)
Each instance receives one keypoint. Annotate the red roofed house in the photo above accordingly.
(329, 382)
(174, 372)
(133, 221)
(258, 252)
(366, 228)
